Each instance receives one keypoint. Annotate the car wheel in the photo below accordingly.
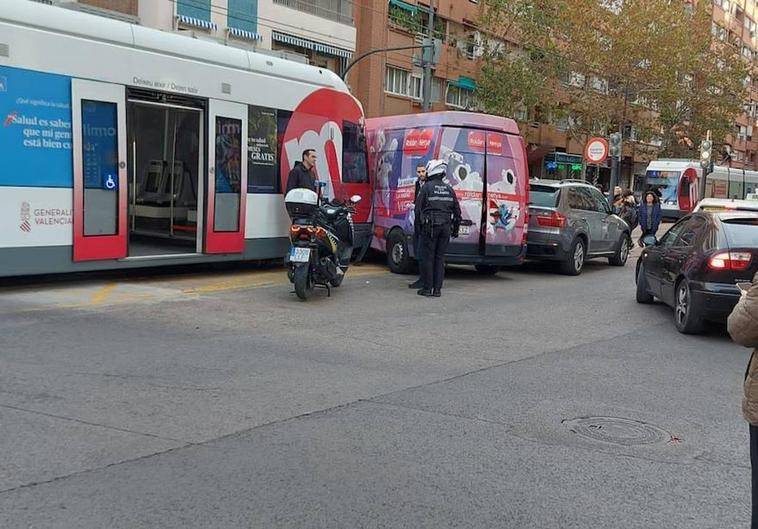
(643, 292)
(686, 316)
(574, 264)
(397, 253)
(622, 252)
(487, 270)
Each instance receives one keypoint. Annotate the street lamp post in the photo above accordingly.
(362, 56)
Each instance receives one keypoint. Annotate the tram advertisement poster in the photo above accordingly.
(35, 134)
(262, 151)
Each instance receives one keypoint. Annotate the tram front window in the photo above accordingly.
(667, 183)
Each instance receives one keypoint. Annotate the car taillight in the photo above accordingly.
(551, 220)
(730, 261)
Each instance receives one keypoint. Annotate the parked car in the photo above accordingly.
(570, 221)
(695, 266)
(725, 204)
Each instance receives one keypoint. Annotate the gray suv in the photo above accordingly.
(570, 221)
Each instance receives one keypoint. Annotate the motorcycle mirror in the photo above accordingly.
(355, 199)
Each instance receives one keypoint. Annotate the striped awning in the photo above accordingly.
(326, 49)
(244, 34)
(196, 22)
(411, 8)
(466, 83)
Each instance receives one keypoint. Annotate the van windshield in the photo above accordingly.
(543, 196)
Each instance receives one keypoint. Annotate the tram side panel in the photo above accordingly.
(36, 176)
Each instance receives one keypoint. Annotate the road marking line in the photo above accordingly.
(101, 295)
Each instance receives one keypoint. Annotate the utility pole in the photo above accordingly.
(428, 59)
(617, 154)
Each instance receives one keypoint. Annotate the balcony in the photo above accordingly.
(338, 10)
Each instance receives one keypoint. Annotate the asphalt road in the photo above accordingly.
(215, 399)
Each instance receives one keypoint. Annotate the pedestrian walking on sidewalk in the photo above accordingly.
(650, 215)
(439, 216)
(743, 328)
(627, 209)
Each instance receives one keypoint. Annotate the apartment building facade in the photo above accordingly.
(391, 83)
(736, 22)
(319, 32)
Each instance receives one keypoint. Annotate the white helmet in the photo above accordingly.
(436, 167)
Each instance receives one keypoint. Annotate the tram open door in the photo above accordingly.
(227, 178)
(99, 160)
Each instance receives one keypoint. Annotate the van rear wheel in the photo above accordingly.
(398, 258)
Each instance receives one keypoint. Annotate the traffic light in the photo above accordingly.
(705, 154)
(615, 145)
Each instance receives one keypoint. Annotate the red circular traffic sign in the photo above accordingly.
(596, 150)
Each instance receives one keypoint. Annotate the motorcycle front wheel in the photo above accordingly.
(302, 280)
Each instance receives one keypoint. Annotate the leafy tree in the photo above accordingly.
(614, 64)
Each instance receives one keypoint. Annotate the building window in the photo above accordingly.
(337, 10)
(437, 88)
(196, 9)
(459, 97)
(397, 81)
(417, 88)
(243, 14)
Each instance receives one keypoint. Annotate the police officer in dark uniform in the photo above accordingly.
(439, 216)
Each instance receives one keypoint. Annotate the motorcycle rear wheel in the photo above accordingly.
(302, 280)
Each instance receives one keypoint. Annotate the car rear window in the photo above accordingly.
(741, 232)
(543, 196)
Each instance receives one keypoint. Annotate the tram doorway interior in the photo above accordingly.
(165, 146)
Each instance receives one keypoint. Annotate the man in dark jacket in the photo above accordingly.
(302, 174)
(417, 246)
(438, 215)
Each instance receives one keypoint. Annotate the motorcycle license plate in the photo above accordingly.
(300, 255)
(464, 230)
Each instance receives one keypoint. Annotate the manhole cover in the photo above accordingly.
(618, 430)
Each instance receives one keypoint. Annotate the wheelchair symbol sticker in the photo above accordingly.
(110, 183)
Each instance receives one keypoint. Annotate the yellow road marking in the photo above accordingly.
(179, 287)
(101, 295)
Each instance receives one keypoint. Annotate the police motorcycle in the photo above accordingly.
(321, 239)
